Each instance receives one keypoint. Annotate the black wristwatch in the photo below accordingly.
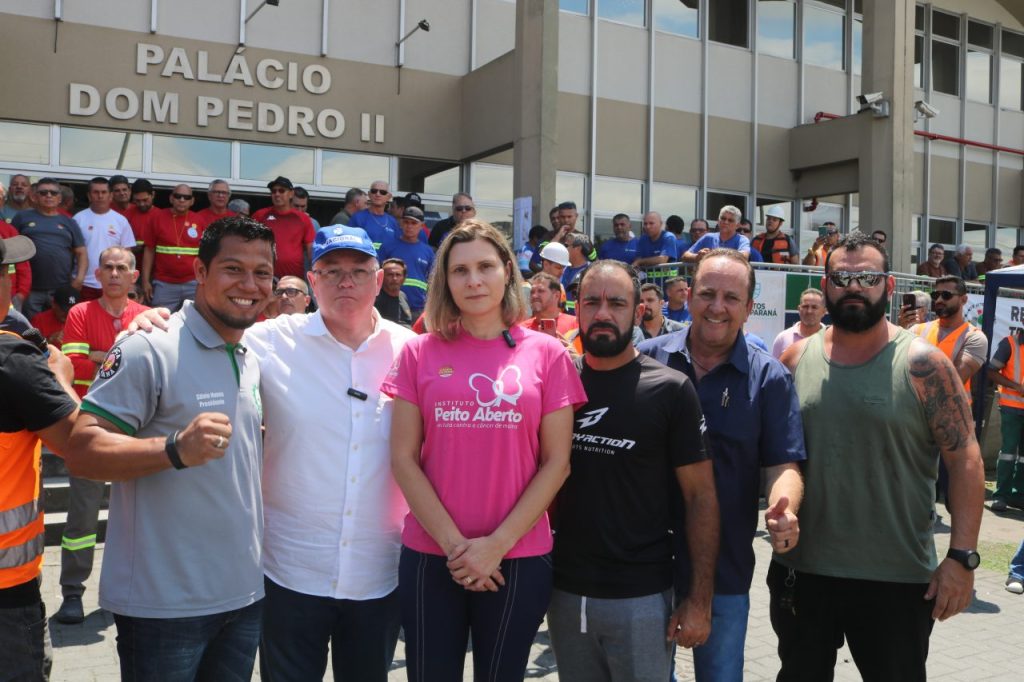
(967, 557)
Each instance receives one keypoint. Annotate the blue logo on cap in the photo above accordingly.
(336, 237)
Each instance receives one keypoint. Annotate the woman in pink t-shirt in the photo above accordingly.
(480, 442)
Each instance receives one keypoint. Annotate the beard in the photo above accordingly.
(605, 347)
(856, 319)
(948, 311)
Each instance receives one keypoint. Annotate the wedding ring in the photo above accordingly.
(220, 442)
(468, 580)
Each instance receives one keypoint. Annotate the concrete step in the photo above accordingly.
(55, 522)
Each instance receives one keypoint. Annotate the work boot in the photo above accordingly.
(71, 611)
(1005, 466)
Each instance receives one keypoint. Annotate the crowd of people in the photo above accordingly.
(495, 436)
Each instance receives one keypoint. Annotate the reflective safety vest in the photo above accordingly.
(950, 346)
(21, 515)
(778, 250)
(1012, 371)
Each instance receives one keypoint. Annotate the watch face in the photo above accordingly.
(973, 559)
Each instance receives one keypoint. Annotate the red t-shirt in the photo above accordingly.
(48, 325)
(209, 216)
(141, 222)
(20, 273)
(176, 240)
(89, 327)
(292, 232)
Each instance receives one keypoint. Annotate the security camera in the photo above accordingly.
(869, 98)
(924, 110)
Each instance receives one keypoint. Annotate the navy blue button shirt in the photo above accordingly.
(753, 421)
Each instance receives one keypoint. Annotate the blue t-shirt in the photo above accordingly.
(681, 315)
(665, 245)
(55, 237)
(418, 259)
(755, 256)
(712, 240)
(379, 228)
(613, 249)
(753, 420)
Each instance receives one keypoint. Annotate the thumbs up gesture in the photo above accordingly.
(783, 526)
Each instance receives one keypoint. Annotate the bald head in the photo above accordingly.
(653, 224)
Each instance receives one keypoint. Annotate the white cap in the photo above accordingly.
(775, 212)
(556, 253)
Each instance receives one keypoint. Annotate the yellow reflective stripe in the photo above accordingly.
(418, 283)
(178, 250)
(76, 544)
(570, 306)
(82, 348)
(10, 269)
(82, 382)
(19, 555)
(19, 517)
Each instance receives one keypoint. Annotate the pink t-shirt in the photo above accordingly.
(482, 404)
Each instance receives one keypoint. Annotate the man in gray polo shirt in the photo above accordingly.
(174, 419)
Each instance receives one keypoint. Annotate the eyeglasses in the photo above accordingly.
(744, 230)
(464, 209)
(864, 280)
(335, 276)
(48, 192)
(288, 292)
(944, 295)
(181, 196)
(378, 190)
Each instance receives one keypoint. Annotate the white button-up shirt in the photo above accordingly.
(333, 513)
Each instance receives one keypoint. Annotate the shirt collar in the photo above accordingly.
(317, 327)
(197, 325)
(738, 358)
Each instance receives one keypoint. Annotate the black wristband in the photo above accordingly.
(171, 448)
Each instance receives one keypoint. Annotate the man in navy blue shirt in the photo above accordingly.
(676, 293)
(623, 246)
(657, 245)
(727, 237)
(753, 421)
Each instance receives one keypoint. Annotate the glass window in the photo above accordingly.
(677, 16)
(343, 169)
(100, 149)
(571, 187)
(823, 37)
(727, 22)
(1006, 239)
(500, 217)
(677, 200)
(812, 222)
(1010, 84)
(919, 18)
(979, 34)
(492, 182)
(1013, 43)
(775, 28)
(191, 156)
(717, 200)
(915, 228)
(578, 6)
(625, 11)
(264, 162)
(841, 4)
(858, 45)
(975, 234)
(918, 62)
(941, 231)
(618, 196)
(979, 76)
(445, 182)
(945, 68)
(946, 25)
(764, 204)
(24, 142)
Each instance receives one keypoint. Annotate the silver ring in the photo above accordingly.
(220, 442)
(468, 580)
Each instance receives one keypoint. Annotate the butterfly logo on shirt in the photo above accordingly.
(492, 392)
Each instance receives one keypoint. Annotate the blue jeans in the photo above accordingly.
(720, 659)
(1017, 563)
(220, 647)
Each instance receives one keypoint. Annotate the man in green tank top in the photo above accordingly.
(877, 402)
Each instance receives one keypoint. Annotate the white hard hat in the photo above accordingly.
(775, 212)
(556, 253)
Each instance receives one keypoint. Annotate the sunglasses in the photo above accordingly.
(944, 295)
(864, 280)
(288, 292)
(377, 190)
(48, 192)
(744, 230)
(463, 209)
(181, 196)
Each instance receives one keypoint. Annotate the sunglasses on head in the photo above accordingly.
(944, 295)
(865, 280)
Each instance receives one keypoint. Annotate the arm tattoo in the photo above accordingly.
(942, 395)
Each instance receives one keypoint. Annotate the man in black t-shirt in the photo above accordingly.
(391, 302)
(637, 444)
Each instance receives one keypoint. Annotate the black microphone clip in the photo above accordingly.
(508, 338)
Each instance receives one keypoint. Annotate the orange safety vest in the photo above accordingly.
(1012, 371)
(950, 346)
(778, 247)
(21, 515)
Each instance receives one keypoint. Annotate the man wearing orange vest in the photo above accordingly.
(1005, 371)
(35, 403)
(960, 341)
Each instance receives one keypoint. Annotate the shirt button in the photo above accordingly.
(348, 513)
(358, 414)
(353, 479)
(345, 544)
(356, 446)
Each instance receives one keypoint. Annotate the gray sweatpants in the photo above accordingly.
(79, 541)
(611, 640)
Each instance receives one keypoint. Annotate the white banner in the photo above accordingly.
(768, 317)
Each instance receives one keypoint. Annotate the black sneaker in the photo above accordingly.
(71, 611)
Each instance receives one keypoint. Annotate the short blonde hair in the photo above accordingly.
(441, 314)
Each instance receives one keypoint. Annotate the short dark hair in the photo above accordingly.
(549, 279)
(620, 216)
(735, 256)
(675, 224)
(699, 220)
(881, 232)
(961, 288)
(655, 288)
(993, 251)
(142, 185)
(937, 246)
(553, 211)
(746, 222)
(672, 281)
(611, 264)
(1019, 247)
(41, 181)
(537, 232)
(856, 240)
(567, 205)
(581, 240)
(395, 261)
(118, 180)
(353, 194)
(232, 226)
(99, 181)
(301, 192)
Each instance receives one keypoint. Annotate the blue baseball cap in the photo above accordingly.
(334, 237)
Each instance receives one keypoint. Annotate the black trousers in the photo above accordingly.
(887, 626)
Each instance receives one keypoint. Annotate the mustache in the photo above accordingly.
(603, 325)
(853, 297)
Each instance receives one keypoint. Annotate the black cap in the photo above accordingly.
(280, 181)
(413, 199)
(118, 180)
(17, 249)
(65, 297)
(142, 185)
(413, 212)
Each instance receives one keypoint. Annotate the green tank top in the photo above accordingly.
(868, 506)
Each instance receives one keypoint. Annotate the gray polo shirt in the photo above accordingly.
(183, 543)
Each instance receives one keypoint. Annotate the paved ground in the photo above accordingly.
(981, 644)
